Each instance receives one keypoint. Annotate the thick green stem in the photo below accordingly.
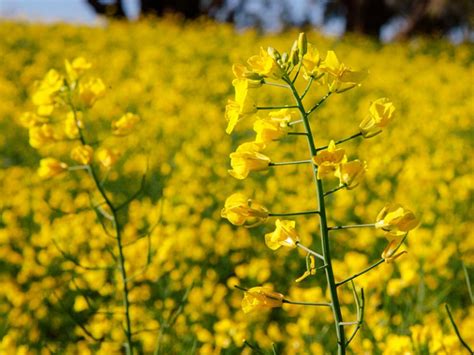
(118, 235)
(336, 308)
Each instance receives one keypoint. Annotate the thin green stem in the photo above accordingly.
(296, 122)
(322, 304)
(308, 86)
(335, 306)
(296, 162)
(320, 102)
(276, 84)
(370, 225)
(302, 213)
(297, 133)
(456, 330)
(118, 235)
(468, 282)
(327, 193)
(275, 107)
(360, 273)
(341, 141)
(309, 251)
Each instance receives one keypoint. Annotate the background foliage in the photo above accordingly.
(178, 78)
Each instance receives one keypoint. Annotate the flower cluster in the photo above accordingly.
(270, 68)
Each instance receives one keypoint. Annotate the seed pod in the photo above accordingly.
(302, 44)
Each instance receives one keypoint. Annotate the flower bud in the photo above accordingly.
(302, 44)
(50, 167)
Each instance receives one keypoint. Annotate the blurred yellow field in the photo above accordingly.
(160, 117)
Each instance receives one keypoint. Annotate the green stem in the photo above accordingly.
(276, 84)
(323, 304)
(118, 234)
(308, 86)
(292, 213)
(453, 323)
(309, 251)
(370, 225)
(324, 98)
(297, 133)
(327, 193)
(336, 308)
(275, 107)
(341, 141)
(296, 162)
(361, 273)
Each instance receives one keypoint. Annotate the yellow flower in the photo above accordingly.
(82, 154)
(283, 235)
(311, 61)
(258, 298)
(91, 91)
(329, 160)
(350, 174)
(341, 78)
(50, 167)
(240, 108)
(248, 158)
(273, 127)
(239, 210)
(107, 157)
(381, 112)
(310, 269)
(70, 125)
(241, 72)
(389, 252)
(45, 95)
(77, 67)
(396, 220)
(41, 135)
(265, 65)
(30, 119)
(125, 124)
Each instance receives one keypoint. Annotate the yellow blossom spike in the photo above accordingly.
(381, 113)
(248, 158)
(329, 160)
(260, 298)
(240, 210)
(396, 220)
(283, 235)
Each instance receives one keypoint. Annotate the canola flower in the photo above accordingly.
(185, 134)
(326, 162)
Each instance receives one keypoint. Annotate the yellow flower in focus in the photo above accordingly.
(107, 157)
(283, 235)
(248, 158)
(396, 220)
(389, 252)
(41, 135)
(125, 124)
(77, 67)
(329, 160)
(342, 78)
(91, 91)
(240, 108)
(82, 154)
(380, 115)
(350, 174)
(258, 298)
(239, 209)
(271, 128)
(265, 65)
(50, 167)
(311, 61)
(241, 72)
